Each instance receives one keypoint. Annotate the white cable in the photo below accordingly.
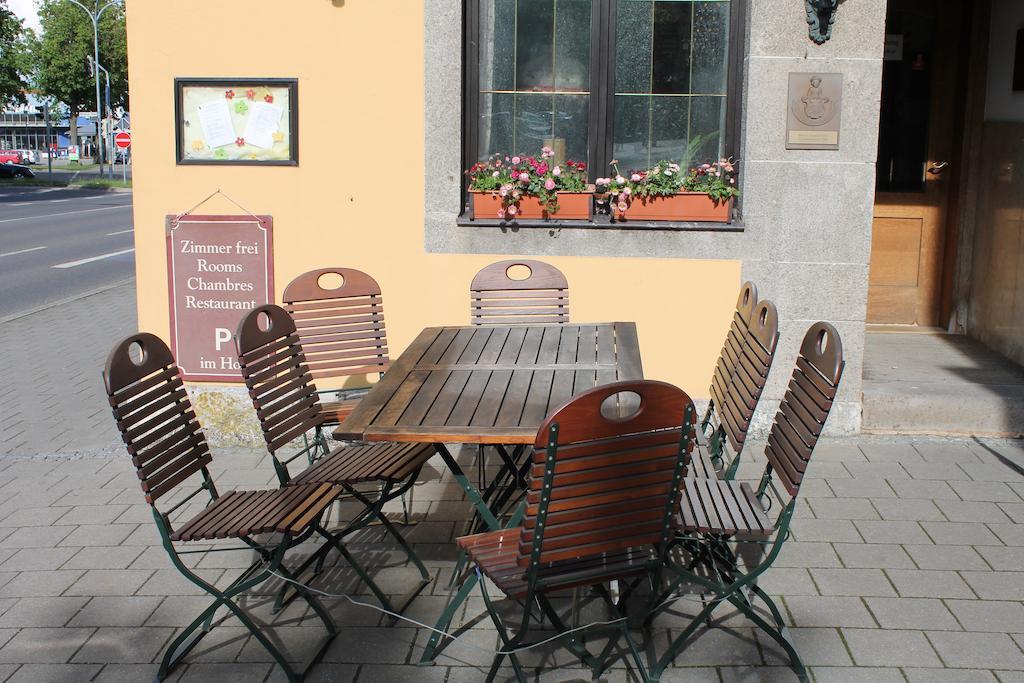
(445, 633)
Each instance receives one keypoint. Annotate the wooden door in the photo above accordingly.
(915, 152)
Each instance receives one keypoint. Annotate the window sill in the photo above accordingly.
(602, 223)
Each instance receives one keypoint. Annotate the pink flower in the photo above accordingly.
(512, 210)
(622, 207)
(626, 191)
(556, 171)
(495, 174)
(603, 181)
(549, 184)
(668, 172)
(546, 152)
(501, 213)
(732, 181)
(635, 177)
(525, 177)
(619, 179)
(516, 160)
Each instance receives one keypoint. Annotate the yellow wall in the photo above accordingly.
(356, 198)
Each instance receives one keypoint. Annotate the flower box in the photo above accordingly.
(571, 206)
(682, 206)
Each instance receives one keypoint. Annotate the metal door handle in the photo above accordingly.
(936, 169)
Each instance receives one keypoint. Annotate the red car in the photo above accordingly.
(10, 156)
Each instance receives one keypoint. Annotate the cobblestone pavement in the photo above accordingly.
(50, 364)
(906, 564)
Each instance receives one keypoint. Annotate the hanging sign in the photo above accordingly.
(218, 269)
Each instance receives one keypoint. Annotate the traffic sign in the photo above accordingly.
(123, 140)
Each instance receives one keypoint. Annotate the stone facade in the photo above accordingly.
(806, 241)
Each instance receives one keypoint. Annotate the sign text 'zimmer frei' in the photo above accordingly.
(219, 268)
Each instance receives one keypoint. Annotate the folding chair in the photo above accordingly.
(602, 492)
(342, 332)
(168, 449)
(497, 299)
(275, 370)
(736, 387)
(717, 515)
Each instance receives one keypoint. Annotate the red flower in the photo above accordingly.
(268, 98)
(240, 142)
(251, 94)
(229, 94)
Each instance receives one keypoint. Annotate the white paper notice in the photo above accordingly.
(262, 124)
(215, 119)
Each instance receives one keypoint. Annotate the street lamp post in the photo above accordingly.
(94, 15)
(108, 139)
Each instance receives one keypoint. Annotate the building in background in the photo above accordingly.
(905, 210)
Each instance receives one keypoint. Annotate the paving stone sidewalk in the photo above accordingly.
(50, 363)
(906, 564)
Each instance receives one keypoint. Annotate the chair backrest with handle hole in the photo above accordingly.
(733, 347)
(498, 299)
(806, 405)
(736, 409)
(341, 329)
(602, 485)
(275, 372)
(154, 415)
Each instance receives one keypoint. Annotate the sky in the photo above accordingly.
(25, 9)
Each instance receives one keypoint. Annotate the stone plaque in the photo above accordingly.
(814, 104)
(218, 269)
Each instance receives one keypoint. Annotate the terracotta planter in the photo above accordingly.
(571, 206)
(684, 206)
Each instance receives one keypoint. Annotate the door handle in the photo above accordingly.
(936, 169)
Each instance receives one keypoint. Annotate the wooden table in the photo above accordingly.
(489, 385)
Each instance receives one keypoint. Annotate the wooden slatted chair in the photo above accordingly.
(734, 401)
(168, 448)
(341, 329)
(602, 494)
(497, 299)
(280, 384)
(718, 514)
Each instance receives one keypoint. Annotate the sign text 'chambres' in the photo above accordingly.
(218, 268)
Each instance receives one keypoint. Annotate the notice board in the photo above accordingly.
(218, 269)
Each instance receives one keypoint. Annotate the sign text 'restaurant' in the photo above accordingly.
(219, 268)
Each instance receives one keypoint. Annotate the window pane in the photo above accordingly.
(633, 27)
(534, 77)
(497, 45)
(670, 72)
(632, 128)
(670, 81)
(496, 114)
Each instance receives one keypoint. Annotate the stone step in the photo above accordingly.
(939, 384)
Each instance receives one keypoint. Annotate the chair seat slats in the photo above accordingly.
(722, 508)
(352, 464)
(248, 513)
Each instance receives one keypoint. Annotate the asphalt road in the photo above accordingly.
(57, 243)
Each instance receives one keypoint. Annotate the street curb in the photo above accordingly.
(61, 302)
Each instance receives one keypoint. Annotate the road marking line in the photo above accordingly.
(72, 264)
(21, 251)
(65, 213)
(120, 232)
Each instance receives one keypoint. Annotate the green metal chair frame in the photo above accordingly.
(603, 494)
(274, 367)
(716, 515)
(738, 383)
(158, 425)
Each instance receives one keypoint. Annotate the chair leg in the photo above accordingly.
(781, 633)
(507, 644)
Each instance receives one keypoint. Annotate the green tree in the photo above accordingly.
(63, 51)
(12, 48)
